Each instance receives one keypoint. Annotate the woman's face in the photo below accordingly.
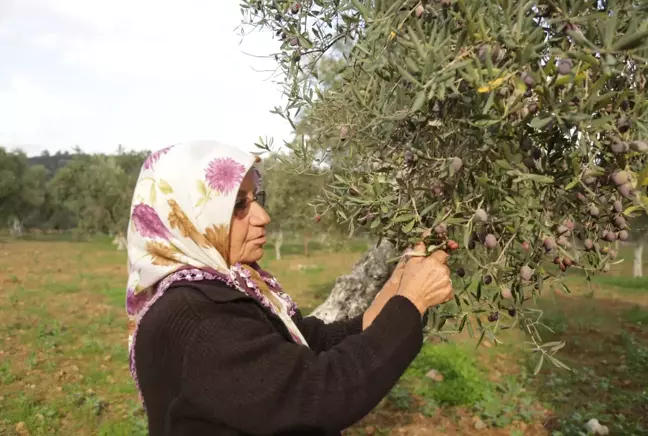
(247, 230)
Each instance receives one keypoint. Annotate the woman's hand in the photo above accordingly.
(393, 284)
(426, 281)
(390, 287)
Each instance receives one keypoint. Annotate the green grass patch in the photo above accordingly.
(115, 296)
(636, 314)
(63, 288)
(623, 282)
(636, 353)
(509, 401)
(464, 380)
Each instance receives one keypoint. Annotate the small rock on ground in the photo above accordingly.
(479, 424)
(435, 375)
(21, 429)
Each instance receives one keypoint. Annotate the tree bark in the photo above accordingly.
(278, 242)
(354, 292)
(16, 229)
(120, 242)
(637, 267)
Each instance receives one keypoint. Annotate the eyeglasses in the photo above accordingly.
(241, 206)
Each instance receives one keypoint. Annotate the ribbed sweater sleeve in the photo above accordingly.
(239, 370)
(322, 336)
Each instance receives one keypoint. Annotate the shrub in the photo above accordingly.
(464, 382)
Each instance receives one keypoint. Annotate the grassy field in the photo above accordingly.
(63, 358)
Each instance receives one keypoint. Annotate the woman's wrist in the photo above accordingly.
(420, 306)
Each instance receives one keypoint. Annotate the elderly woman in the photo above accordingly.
(216, 346)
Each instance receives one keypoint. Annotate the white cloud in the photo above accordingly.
(143, 73)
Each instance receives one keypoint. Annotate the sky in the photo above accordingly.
(140, 73)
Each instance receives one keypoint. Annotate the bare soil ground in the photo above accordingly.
(64, 367)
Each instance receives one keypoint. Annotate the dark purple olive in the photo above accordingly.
(527, 79)
(620, 177)
(619, 147)
(410, 157)
(490, 241)
(549, 244)
(441, 229)
(626, 190)
(533, 108)
(623, 124)
(618, 206)
(437, 187)
(565, 66)
(593, 211)
(481, 215)
(526, 273)
(529, 163)
(568, 223)
(526, 144)
(640, 146)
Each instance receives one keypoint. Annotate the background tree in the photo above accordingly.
(514, 132)
(98, 189)
(290, 192)
(22, 188)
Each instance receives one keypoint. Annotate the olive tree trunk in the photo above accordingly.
(354, 292)
(120, 242)
(637, 267)
(278, 242)
(16, 228)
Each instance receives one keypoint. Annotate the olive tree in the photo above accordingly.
(510, 133)
(289, 193)
(97, 189)
(22, 189)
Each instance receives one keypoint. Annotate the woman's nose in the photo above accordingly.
(258, 215)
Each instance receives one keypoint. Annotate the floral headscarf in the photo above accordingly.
(179, 230)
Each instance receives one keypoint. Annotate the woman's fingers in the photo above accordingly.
(440, 256)
(419, 248)
(448, 292)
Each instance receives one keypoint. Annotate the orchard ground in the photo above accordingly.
(63, 358)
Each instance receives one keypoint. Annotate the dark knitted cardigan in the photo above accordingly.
(213, 361)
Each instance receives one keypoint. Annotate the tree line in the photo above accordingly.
(91, 193)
